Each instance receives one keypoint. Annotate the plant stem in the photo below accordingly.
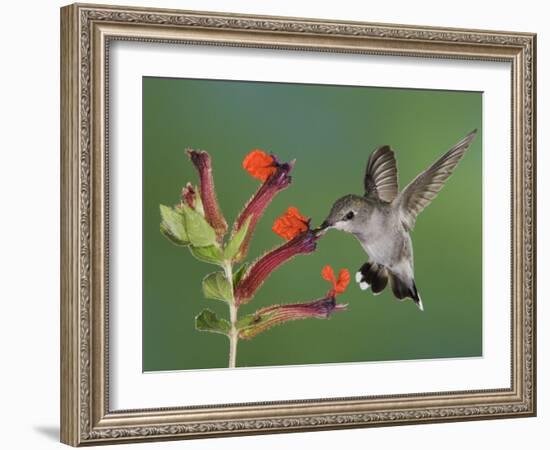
(233, 310)
(233, 336)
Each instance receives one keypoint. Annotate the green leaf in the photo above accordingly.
(207, 320)
(173, 226)
(199, 231)
(216, 286)
(165, 231)
(211, 254)
(234, 244)
(238, 274)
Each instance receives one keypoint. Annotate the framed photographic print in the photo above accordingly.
(275, 224)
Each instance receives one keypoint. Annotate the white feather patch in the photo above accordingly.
(364, 285)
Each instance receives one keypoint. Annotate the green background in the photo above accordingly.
(331, 131)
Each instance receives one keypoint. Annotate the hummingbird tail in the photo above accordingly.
(417, 299)
(403, 290)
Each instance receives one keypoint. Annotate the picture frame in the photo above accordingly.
(87, 33)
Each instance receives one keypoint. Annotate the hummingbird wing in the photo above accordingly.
(381, 175)
(422, 190)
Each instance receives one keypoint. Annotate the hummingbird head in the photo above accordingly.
(348, 213)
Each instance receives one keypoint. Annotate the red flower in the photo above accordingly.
(290, 224)
(270, 316)
(259, 164)
(189, 196)
(340, 285)
(302, 244)
(275, 183)
(202, 162)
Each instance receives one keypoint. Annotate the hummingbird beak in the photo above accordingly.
(323, 228)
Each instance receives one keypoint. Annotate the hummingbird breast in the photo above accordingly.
(385, 240)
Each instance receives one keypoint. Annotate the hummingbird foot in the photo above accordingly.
(373, 276)
(363, 285)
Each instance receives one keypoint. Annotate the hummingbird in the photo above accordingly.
(383, 218)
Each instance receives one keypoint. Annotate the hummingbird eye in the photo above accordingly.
(349, 215)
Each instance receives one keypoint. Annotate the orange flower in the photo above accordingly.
(290, 224)
(259, 164)
(340, 285)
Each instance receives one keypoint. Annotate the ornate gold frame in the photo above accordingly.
(86, 31)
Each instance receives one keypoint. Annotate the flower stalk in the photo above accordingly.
(233, 313)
